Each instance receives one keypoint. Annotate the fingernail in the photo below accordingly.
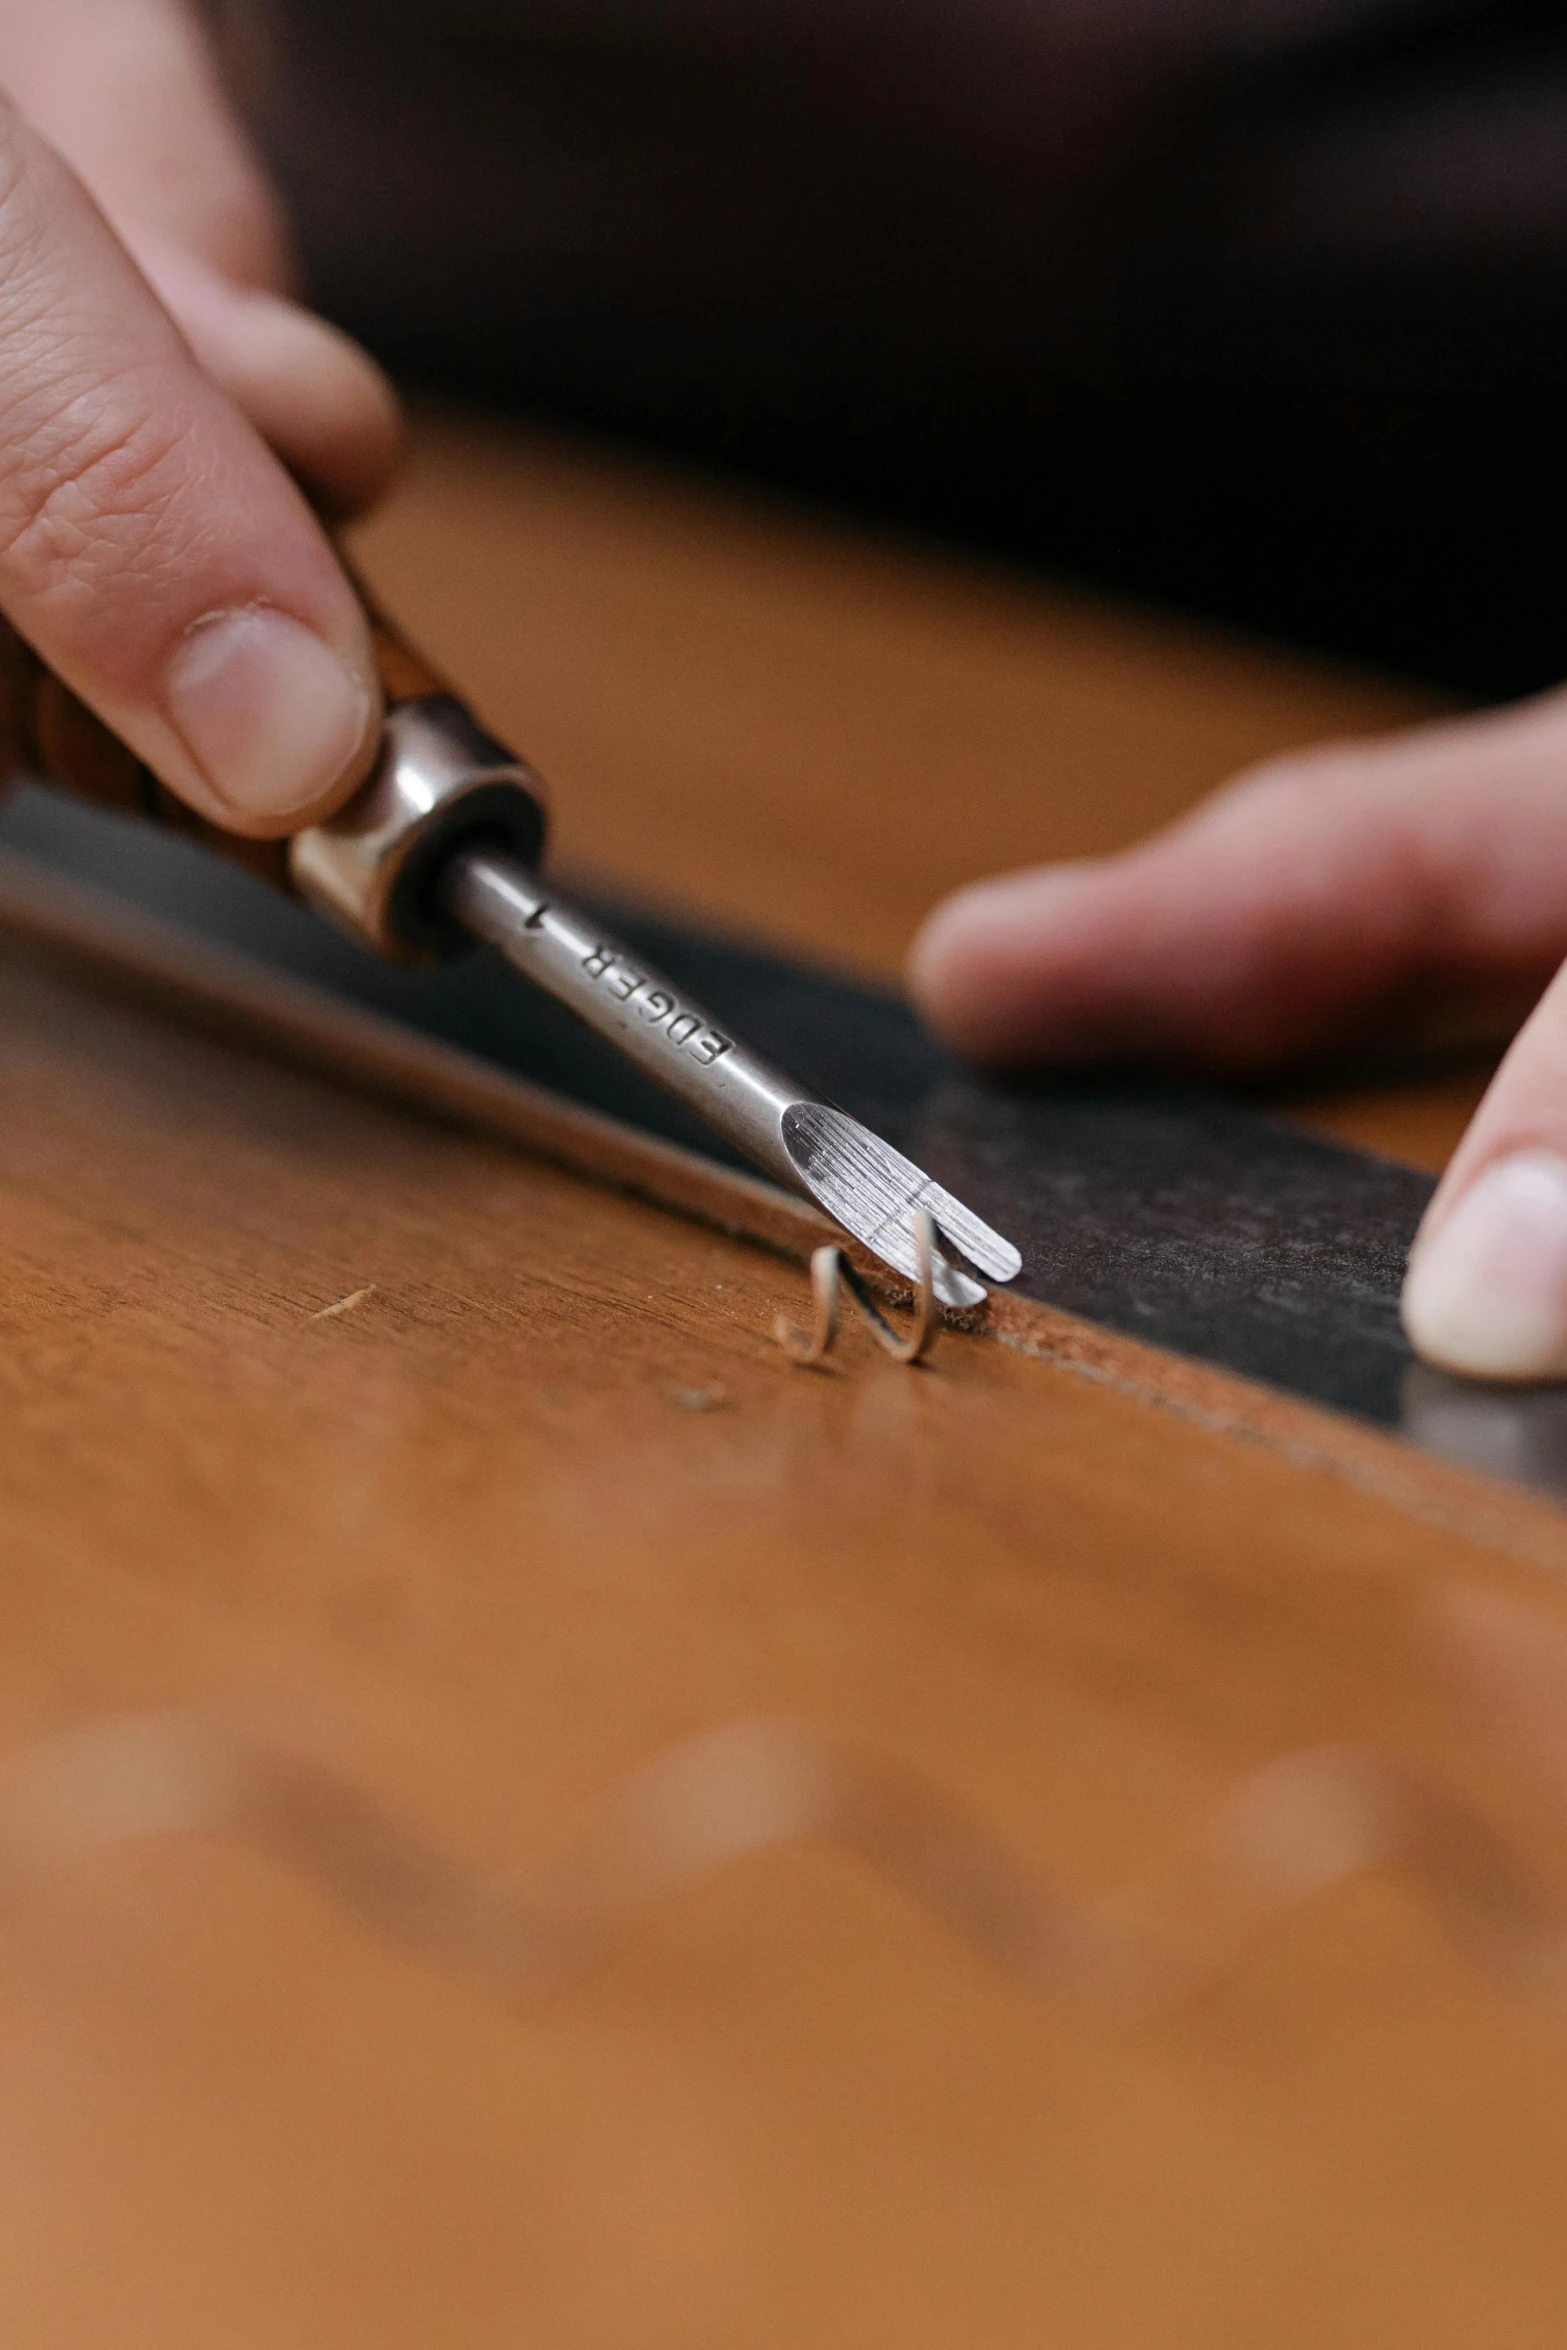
(1487, 1293)
(271, 715)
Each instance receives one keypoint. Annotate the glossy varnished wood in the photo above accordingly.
(548, 1497)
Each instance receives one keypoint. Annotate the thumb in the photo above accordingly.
(152, 549)
(1486, 1291)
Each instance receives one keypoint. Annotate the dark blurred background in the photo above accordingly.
(1257, 306)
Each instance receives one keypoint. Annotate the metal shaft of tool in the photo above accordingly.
(616, 991)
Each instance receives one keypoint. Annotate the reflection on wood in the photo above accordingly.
(1290, 1833)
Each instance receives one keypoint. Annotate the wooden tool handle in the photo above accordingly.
(47, 734)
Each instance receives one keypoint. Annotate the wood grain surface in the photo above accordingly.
(546, 1497)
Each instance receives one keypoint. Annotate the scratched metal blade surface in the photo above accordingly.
(874, 1191)
(1163, 1211)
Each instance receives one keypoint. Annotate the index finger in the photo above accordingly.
(152, 549)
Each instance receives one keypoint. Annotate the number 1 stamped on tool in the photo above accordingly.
(653, 1000)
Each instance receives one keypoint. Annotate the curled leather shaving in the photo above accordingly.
(1306, 1823)
(831, 1274)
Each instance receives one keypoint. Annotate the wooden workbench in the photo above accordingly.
(548, 1498)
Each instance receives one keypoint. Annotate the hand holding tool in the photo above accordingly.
(443, 845)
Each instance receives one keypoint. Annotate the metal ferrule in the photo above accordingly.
(439, 780)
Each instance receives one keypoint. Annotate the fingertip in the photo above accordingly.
(320, 401)
(317, 399)
(936, 967)
(991, 968)
(1486, 1290)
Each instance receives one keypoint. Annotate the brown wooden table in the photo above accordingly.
(548, 1498)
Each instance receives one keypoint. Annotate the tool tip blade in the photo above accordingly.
(875, 1192)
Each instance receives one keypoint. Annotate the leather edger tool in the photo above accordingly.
(443, 846)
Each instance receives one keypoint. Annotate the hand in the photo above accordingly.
(153, 547)
(1275, 921)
